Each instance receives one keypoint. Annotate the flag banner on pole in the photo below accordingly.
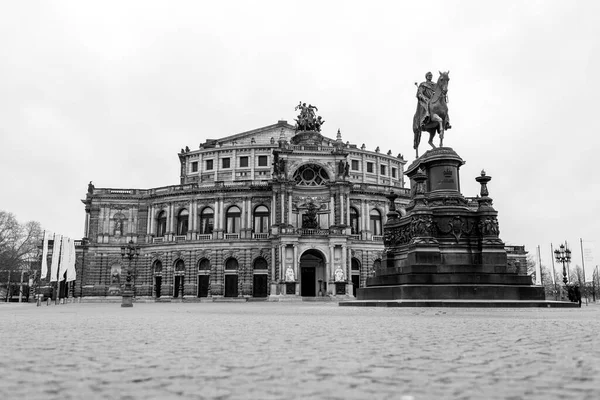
(588, 256)
(45, 255)
(552, 258)
(71, 273)
(538, 269)
(64, 257)
(55, 256)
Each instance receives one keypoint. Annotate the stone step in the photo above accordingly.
(449, 278)
(452, 291)
(230, 299)
(460, 303)
(444, 269)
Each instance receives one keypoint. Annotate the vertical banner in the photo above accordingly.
(588, 256)
(45, 255)
(64, 257)
(71, 272)
(553, 270)
(538, 269)
(55, 256)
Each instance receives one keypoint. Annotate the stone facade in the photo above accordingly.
(266, 213)
(270, 213)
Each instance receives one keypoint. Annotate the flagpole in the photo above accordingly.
(56, 299)
(539, 281)
(553, 272)
(582, 260)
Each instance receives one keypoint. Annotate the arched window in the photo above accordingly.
(204, 265)
(157, 267)
(311, 175)
(206, 221)
(182, 222)
(375, 217)
(355, 264)
(377, 264)
(233, 219)
(354, 221)
(179, 267)
(260, 263)
(231, 264)
(261, 219)
(161, 225)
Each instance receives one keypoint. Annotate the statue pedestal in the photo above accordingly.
(114, 290)
(446, 247)
(127, 299)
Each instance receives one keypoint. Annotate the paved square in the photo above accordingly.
(296, 350)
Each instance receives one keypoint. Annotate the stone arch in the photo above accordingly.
(313, 174)
(312, 272)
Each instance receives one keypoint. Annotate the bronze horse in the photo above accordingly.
(438, 120)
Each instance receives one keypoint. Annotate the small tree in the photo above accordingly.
(19, 243)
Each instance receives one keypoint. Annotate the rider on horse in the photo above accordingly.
(432, 112)
(424, 94)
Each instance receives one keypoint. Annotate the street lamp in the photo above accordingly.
(130, 251)
(563, 255)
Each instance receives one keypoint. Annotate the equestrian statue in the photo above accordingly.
(432, 109)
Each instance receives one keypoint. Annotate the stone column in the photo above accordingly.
(330, 267)
(169, 219)
(216, 216)
(243, 218)
(331, 210)
(86, 230)
(365, 218)
(289, 221)
(151, 220)
(190, 220)
(346, 257)
(342, 208)
(347, 209)
(296, 272)
(273, 206)
(249, 223)
(283, 207)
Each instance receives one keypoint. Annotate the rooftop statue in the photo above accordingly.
(432, 109)
(307, 119)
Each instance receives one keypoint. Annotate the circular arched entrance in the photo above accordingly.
(312, 274)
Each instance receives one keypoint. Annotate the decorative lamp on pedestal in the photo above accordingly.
(131, 251)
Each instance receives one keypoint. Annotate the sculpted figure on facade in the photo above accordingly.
(289, 274)
(489, 227)
(307, 119)
(118, 227)
(339, 274)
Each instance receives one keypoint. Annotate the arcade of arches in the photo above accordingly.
(312, 277)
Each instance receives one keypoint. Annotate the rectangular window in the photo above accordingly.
(244, 161)
(209, 165)
(354, 165)
(226, 162)
(262, 161)
(369, 167)
(382, 169)
(393, 172)
(195, 166)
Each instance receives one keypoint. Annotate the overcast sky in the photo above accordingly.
(110, 91)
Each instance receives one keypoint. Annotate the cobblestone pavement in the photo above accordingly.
(296, 350)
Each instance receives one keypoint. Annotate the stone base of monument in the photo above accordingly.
(446, 250)
(127, 300)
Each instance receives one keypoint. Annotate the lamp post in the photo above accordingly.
(130, 251)
(563, 255)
